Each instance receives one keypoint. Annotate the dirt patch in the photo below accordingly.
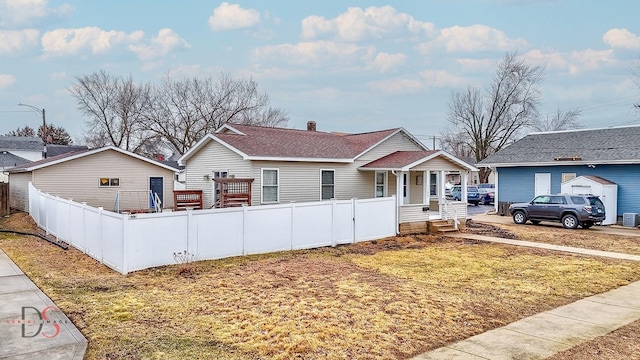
(474, 227)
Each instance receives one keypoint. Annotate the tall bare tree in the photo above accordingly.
(487, 121)
(185, 110)
(115, 107)
(561, 120)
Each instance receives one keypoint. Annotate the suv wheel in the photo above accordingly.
(569, 221)
(519, 217)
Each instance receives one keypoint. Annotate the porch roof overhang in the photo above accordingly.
(406, 160)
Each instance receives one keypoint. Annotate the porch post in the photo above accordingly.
(442, 178)
(426, 187)
(463, 186)
(399, 192)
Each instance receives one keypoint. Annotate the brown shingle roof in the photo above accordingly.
(260, 141)
(398, 159)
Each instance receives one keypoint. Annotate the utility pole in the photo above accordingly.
(44, 122)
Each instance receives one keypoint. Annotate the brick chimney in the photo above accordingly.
(311, 126)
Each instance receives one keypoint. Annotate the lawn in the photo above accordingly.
(588, 239)
(388, 299)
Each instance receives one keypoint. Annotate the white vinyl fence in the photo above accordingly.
(129, 243)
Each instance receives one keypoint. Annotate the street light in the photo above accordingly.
(44, 123)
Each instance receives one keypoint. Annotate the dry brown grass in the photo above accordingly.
(619, 344)
(379, 300)
(588, 239)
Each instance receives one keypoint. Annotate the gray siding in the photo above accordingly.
(516, 184)
(19, 191)
(79, 179)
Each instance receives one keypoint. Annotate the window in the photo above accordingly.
(545, 199)
(381, 183)
(404, 185)
(558, 200)
(568, 176)
(433, 184)
(270, 188)
(109, 182)
(327, 184)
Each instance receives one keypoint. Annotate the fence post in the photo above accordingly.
(293, 208)
(353, 217)
(333, 221)
(83, 236)
(245, 209)
(125, 242)
(100, 235)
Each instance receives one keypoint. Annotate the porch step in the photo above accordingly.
(441, 226)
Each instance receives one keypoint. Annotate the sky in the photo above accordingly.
(350, 66)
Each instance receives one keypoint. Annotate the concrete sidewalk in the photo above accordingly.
(24, 330)
(545, 334)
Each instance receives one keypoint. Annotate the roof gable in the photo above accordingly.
(268, 143)
(589, 146)
(35, 165)
(405, 160)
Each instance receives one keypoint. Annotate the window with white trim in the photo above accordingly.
(568, 176)
(216, 187)
(381, 184)
(327, 184)
(433, 184)
(270, 186)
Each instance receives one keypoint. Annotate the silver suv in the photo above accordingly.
(569, 209)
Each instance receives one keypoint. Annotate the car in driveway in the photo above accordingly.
(487, 193)
(473, 195)
(569, 209)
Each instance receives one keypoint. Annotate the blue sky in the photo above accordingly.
(351, 66)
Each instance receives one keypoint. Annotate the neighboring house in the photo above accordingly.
(97, 177)
(289, 165)
(539, 163)
(9, 160)
(30, 148)
(51, 150)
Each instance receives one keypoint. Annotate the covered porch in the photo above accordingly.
(418, 178)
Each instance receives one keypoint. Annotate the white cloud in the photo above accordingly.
(397, 86)
(472, 38)
(575, 62)
(162, 44)
(621, 38)
(315, 53)
(6, 80)
(232, 16)
(384, 62)
(59, 75)
(441, 79)
(14, 41)
(75, 41)
(23, 12)
(357, 24)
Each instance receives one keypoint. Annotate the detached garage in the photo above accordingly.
(96, 177)
(605, 189)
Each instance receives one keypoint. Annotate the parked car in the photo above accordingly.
(473, 195)
(569, 209)
(487, 193)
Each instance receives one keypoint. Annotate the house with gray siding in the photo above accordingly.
(291, 165)
(97, 177)
(540, 162)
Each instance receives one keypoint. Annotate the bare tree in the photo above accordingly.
(489, 121)
(561, 120)
(26, 131)
(115, 107)
(186, 110)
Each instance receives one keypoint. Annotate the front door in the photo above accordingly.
(156, 185)
(542, 184)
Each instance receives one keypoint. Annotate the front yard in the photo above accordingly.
(386, 299)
